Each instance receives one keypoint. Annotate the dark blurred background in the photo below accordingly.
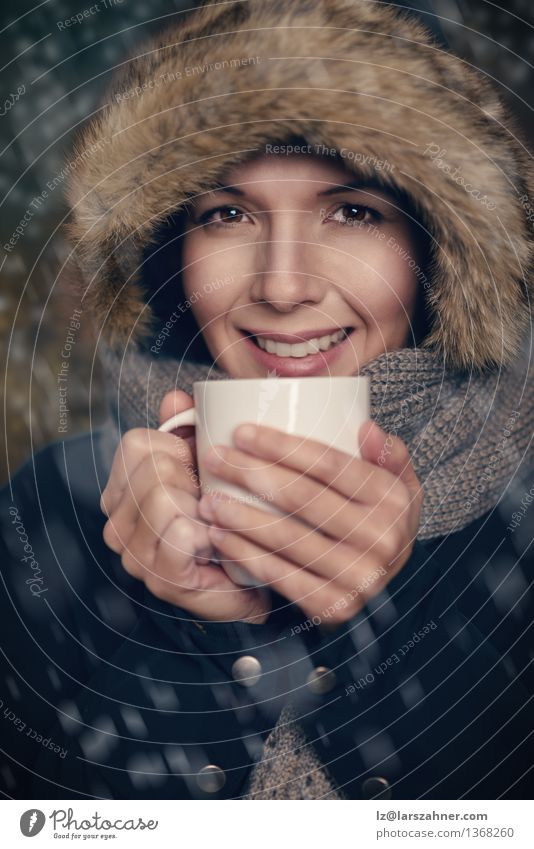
(52, 78)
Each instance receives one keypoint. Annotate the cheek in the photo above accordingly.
(206, 278)
(386, 285)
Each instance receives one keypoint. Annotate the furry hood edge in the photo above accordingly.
(359, 76)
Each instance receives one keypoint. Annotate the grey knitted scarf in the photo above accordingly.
(469, 434)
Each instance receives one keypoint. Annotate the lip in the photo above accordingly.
(307, 366)
(292, 338)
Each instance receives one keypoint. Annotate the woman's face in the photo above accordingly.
(286, 253)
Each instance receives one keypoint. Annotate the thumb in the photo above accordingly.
(388, 452)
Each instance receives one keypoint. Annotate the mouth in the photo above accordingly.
(301, 354)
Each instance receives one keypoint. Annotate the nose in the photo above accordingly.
(287, 271)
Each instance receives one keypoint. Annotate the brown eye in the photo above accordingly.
(225, 215)
(353, 213)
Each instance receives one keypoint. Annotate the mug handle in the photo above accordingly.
(183, 419)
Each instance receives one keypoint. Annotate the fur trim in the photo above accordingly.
(353, 74)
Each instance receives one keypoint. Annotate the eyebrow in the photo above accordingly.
(232, 190)
(355, 185)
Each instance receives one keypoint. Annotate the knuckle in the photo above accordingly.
(389, 544)
(105, 502)
(181, 447)
(353, 607)
(400, 449)
(165, 465)
(339, 617)
(135, 439)
(332, 463)
(161, 500)
(398, 498)
(184, 530)
(156, 501)
(112, 536)
(154, 584)
(130, 563)
(297, 494)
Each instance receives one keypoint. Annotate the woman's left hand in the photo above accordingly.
(350, 523)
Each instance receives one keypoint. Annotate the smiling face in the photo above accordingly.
(287, 252)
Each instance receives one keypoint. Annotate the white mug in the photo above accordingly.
(326, 409)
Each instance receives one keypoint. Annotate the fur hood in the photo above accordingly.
(355, 75)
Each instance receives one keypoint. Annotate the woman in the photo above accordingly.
(288, 185)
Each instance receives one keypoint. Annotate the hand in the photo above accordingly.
(350, 526)
(151, 500)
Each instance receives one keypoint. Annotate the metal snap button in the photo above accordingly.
(321, 680)
(211, 778)
(376, 787)
(246, 670)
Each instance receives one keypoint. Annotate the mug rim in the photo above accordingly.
(286, 379)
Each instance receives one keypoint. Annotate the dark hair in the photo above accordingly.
(162, 279)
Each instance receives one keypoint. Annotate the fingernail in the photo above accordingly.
(245, 434)
(205, 507)
(216, 534)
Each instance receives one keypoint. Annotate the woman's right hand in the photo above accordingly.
(151, 500)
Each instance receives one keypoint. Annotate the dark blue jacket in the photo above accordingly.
(110, 692)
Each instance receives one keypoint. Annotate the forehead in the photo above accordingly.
(306, 170)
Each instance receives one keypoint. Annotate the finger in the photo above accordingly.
(304, 497)
(134, 447)
(351, 476)
(172, 403)
(309, 591)
(206, 591)
(287, 537)
(157, 471)
(390, 453)
(154, 470)
(159, 509)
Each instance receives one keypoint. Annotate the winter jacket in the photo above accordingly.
(110, 692)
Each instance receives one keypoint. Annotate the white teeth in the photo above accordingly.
(300, 349)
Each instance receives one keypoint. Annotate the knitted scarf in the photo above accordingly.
(469, 434)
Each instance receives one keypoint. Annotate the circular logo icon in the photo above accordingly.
(31, 822)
